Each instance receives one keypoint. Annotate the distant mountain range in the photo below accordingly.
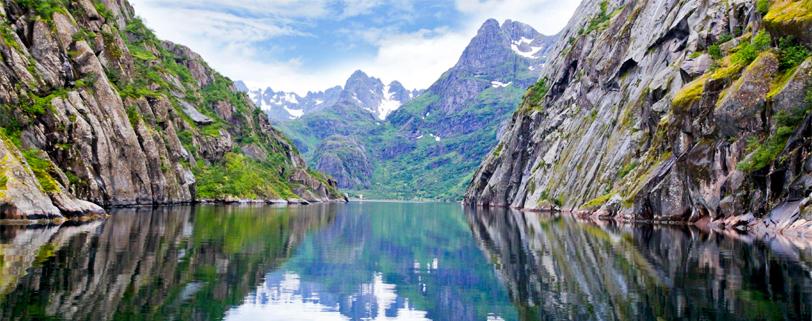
(371, 94)
(385, 141)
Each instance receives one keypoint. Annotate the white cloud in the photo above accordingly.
(227, 33)
(416, 59)
(359, 7)
(279, 8)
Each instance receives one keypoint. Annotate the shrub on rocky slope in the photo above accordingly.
(95, 107)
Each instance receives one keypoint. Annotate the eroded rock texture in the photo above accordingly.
(94, 107)
(666, 111)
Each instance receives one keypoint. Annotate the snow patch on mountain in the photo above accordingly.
(522, 47)
(388, 103)
(294, 113)
(367, 93)
(499, 84)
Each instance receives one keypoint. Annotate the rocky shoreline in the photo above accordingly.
(791, 227)
(59, 220)
(688, 111)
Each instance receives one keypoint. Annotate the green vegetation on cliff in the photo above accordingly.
(763, 152)
(99, 102)
(240, 176)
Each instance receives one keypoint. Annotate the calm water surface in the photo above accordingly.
(391, 261)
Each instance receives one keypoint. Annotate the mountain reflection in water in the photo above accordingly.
(391, 261)
(559, 268)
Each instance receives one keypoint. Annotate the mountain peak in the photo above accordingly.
(510, 54)
(396, 85)
(359, 74)
(490, 26)
(361, 90)
(509, 25)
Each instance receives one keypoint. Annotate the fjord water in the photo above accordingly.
(391, 261)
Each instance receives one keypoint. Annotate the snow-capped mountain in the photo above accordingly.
(499, 56)
(282, 106)
(454, 123)
(368, 93)
(526, 41)
(372, 95)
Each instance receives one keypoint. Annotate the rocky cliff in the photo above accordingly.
(668, 111)
(97, 110)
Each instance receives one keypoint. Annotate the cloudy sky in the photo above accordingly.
(316, 44)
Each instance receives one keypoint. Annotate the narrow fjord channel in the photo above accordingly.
(391, 261)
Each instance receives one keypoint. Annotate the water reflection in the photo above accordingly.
(384, 261)
(557, 268)
(174, 263)
(392, 261)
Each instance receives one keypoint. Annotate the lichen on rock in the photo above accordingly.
(101, 111)
(651, 134)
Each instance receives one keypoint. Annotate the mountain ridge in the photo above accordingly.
(378, 98)
(425, 148)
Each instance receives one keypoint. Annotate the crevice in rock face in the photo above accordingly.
(561, 85)
(625, 67)
(679, 32)
(716, 137)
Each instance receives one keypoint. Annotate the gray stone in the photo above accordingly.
(194, 114)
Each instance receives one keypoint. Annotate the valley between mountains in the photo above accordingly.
(689, 111)
(383, 141)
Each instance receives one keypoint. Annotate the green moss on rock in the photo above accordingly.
(690, 93)
(789, 11)
(498, 151)
(44, 9)
(791, 17)
(763, 152)
(598, 201)
(41, 166)
(535, 96)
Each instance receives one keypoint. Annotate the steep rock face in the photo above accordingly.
(20, 191)
(662, 110)
(102, 110)
(506, 54)
(346, 160)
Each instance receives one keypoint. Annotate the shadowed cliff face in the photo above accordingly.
(666, 111)
(166, 264)
(559, 268)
